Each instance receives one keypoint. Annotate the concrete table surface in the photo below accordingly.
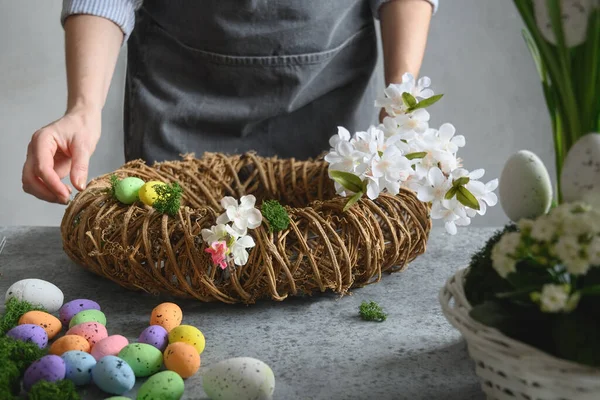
(318, 347)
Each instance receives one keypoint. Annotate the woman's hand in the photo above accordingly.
(62, 148)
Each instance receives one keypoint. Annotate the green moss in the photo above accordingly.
(482, 281)
(10, 383)
(61, 390)
(21, 353)
(14, 309)
(114, 181)
(169, 198)
(276, 214)
(372, 311)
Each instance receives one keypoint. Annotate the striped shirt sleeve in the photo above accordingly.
(121, 12)
(375, 4)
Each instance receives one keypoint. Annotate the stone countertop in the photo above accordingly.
(317, 347)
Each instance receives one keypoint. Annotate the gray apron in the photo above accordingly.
(274, 76)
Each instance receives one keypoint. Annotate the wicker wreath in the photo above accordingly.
(324, 248)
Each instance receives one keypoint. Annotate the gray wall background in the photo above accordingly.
(475, 56)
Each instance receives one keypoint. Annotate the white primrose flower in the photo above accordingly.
(413, 123)
(419, 89)
(392, 100)
(554, 298)
(214, 234)
(569, 250)
(543, 229)
(346, 158)
(391, 130)
(447, 141)
(343, 135)
(391, 168)
(243, 215)
(452, 212)
(593, 251)
(504, 253)
(436, 187)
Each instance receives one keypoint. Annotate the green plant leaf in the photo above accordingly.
(451, 193)
(466, 198)
(347, 180)
(412, 156)
(461, 181)
(409, 100)
(356, 197)
(427, 102)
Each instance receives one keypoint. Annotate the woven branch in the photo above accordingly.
(323, 249)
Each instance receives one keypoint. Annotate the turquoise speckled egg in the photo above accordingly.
(79, 367)
(127, 189)
(113, 375)
(165, 385)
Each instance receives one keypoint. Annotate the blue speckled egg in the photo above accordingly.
(113, 375)
(155, 335)
(68, 310)
(30, 333)
(48, 368)
(79, 367)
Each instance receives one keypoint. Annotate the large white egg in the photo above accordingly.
(241, 378)
(525, 188)
(38, 292)
(580, 175)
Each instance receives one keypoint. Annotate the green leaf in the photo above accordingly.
(353, 200)
(450, 194)
(518, 293)
(380, 153)
(409, 100)
(427, 102)
(347, 180)
(461, 181)
(412, 156)
(466, 198)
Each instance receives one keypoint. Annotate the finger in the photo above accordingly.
(80, 160)
(42, 159)
(36, 187)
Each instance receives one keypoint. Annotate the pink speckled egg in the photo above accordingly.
(110, 346)
(93, 332)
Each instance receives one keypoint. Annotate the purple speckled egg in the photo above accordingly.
(48, 368)
(68, 310)
(30, 333)
(155, 335)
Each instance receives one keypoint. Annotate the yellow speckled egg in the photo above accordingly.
(167, 315)
(68, 343)
(49, 322)
(182, 358)
(188, 334)
(147, 193)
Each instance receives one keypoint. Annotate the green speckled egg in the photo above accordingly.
(88, 316)
(143, 358)
(117, 398)
(166, 385)
(127, 189)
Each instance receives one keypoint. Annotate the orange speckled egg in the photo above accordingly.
(182, 358)
(69, 342)
(167, 315)
(93, 332)
(49, 322)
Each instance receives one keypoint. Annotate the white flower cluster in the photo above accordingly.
(565, 241)
(404, 152)
(229, 239)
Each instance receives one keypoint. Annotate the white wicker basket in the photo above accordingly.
(509, 369)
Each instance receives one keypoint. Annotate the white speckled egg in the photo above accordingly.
(37, 292)
(525, 188)
(239, 378)
(580, 174)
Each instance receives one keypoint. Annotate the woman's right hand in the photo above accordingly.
(61, 148)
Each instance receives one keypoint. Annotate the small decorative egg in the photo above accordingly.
(117, 398)
(93, 332)
(143, 358)
(580, 175)
(49, 368)
(79, 367)
(49, 322)
(167, 315)
(110, 346)
(127, 189)
(147, 192)
(88, 316)
(37, 292)
(113, 375)
(165, 385)
(241, 378)
(182, 358)
(155, 335)
(68, 310)
(188, 334)
(68, 343)
(525, 188)
(29, 333)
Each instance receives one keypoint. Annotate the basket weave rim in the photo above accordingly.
(497, 345)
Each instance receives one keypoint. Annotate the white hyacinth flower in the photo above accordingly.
(436, 188)
(345, 158)
(243, 215)
(343, 135)
(452, 213)
(241, 242)
(413, 123)
(419, 89)
(574, 16)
